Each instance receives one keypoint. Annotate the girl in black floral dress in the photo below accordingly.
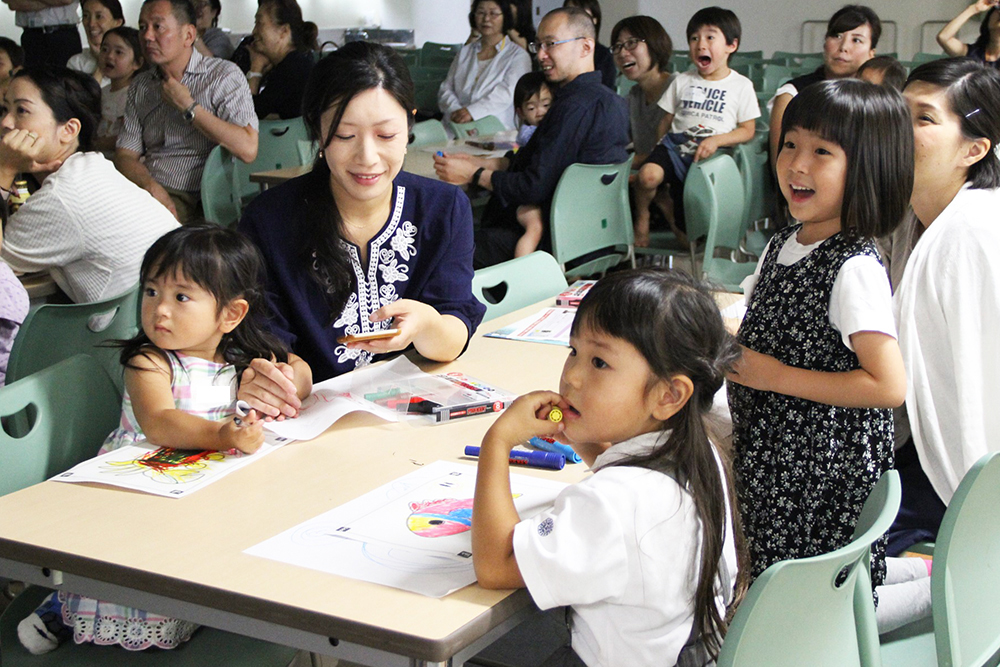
(821, 367)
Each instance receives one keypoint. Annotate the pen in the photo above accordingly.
(242, 410)
(440, 154)
(518, 457)
(550, 445)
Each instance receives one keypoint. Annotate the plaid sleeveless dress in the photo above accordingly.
(804, 469)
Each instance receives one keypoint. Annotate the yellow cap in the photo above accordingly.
(555, 415)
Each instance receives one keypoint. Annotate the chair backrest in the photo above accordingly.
(483, 127)
(55, 332)
(805, 611)
(434, 53)
(965, 584)
(523, 281)
(775, 76)
(73, 406)
(277, 147)
(758, 184)
(713, 208)
(426, 83)
(429, 132)
(590, 213)
(623, 85)
(219, 200)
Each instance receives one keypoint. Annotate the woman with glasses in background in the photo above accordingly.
(482, 77)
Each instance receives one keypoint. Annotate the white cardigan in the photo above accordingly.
(493, 93)
(947, 306)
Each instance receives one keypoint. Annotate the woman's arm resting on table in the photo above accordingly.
(435, 336)
(493, 513)
(879, 383)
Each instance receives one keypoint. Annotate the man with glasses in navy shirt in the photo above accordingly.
(587, 123)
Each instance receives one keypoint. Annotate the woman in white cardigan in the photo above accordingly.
(482, 77)
(945, 268)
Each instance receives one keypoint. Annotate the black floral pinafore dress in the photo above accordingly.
(804, 469)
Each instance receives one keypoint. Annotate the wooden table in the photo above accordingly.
(184, 557)
(278, 176)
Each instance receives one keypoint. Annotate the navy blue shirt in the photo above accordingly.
(587, 123)
(424, 253)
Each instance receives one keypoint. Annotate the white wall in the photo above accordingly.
(767, 25)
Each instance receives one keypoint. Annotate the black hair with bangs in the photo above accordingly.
(658, 42)
(226, 264)
(672, 320)
(850, 17)
(872, 125)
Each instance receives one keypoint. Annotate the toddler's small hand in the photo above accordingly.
(243, 433)
(527, 417)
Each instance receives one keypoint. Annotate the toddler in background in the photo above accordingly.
(532, 99)
(203, 321)
(883, 71)
(706, 108)
(11, 60)
(643, 551)
(121, 59)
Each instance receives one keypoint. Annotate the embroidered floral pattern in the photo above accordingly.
(389, 253)
(805, 469)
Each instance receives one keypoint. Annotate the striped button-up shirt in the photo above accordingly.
(175, 151)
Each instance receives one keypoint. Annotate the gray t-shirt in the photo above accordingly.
(644, 120)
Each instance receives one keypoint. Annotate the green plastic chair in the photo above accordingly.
(483, 127)
(410, 56)
(523, 281)
(436, 54)
(713, 208)
(758, 188)
(277, 148)
(794, 58)
(74, 406)
(54, 332)
(922, 57)
(590, 219)
(426, 83)
(965, 585)
(428, 132)
(774, 77)
(813, 611)
(218, 188)
(623, 85)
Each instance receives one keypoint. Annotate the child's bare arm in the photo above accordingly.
(743, 133)
(879, 383)
(493, 513)
(166, 426)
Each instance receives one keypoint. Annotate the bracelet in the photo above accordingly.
(475, 177)
(254, 75)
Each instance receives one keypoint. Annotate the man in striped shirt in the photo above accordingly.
(179, 110)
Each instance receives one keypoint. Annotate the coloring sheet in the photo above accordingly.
(413, 533)
(162, 471)
(551, 326)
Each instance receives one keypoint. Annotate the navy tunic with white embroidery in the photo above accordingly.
(423, 252)
(804, 469)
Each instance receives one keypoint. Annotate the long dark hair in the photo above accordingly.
(336, 80)
(658, 42)
(850, 17)
(872, 124)
(131, 38)
(288, 12)
(226, 264)
(523, 23)
(673, 322)
(508, 17)
(973, 93)
(984, 30)
(69, 94)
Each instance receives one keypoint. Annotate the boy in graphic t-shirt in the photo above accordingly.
(708, 107)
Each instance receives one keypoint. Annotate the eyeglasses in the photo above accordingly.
(628, 45)
(537, 47)
(488, 15)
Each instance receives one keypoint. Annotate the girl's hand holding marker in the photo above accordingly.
(245, 431)
(530, 415)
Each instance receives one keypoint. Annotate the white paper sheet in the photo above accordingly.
(164, 472)
(412, 533)
(551, 326)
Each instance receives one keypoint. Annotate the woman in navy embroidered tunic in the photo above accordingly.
(358, 246)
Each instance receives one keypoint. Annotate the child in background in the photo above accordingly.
(643, 551)
(203, 321)
(821, 368)
(99, 16)
(532, 99)
(11, 60)
(883, 71)
(706, 109)
(120, 60)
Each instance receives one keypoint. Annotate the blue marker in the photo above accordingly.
(532, 459)
(556, 447)
(440, 154)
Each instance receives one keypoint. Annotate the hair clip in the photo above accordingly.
(972, 113)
